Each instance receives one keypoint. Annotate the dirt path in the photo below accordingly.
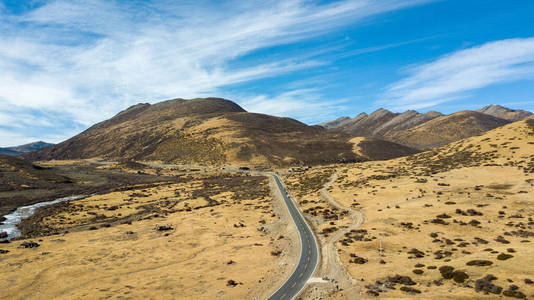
(331, 266)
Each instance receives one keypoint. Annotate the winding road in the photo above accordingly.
(309, 255)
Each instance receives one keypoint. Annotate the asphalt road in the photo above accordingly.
(309, 256)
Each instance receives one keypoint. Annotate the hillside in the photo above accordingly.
(505, 113)
(366, 125)
(15, 172)
(380, 123)
(454, 220)
(375, 149)
(446, 129)
(336, 123)
(204, 131)
(6, 151)
(424, 130)
(406, 120)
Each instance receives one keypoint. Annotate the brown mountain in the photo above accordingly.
(446, 129)
(382, 122)
(406, 120)
(336, 123)
(428, 130)
(505, 113)
(366, 125)
(206, 131)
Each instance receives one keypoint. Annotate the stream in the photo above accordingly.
(23, 212)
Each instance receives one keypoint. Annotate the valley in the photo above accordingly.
(192, 210)
(266, 150)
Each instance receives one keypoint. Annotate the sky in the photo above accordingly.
(68, 64)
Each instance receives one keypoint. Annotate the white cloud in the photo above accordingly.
(87, 60)
(453, 76)
(303, 104)
(10, 138)
(14, 138)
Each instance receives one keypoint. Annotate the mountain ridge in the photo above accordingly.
(409, 129)
(505, 113)
(18, 150)
(211, 131)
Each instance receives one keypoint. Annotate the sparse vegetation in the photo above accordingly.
(462, 205)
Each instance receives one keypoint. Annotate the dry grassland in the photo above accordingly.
(453, 223)
(209, 236)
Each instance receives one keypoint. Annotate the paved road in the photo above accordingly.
(309, 255)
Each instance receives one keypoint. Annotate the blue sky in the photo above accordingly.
(67, 64)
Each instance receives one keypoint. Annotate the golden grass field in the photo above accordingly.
(467, 201)
(451, 223)
(108, 246)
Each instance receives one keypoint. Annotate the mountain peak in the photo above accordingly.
(410, 112)
(494, 106)
(207, 131)
(505, 112)
(433, 113)
(380, 113)
(335, 123)
(18, 150)
(199, 105)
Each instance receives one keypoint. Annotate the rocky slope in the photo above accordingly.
(505, 113)
(336, 123)
(446, 129)
(428, 130)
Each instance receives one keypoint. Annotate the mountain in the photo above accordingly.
(428, 130)
(366, 125)
(204, 131)
(382, 122)
(6, 151)
(505, 113)
(446, 129)
(336, 123)
(18, 150)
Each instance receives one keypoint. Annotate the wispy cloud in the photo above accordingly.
(86, 60)
(454, 76)
(303, 104)
(381, 47)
